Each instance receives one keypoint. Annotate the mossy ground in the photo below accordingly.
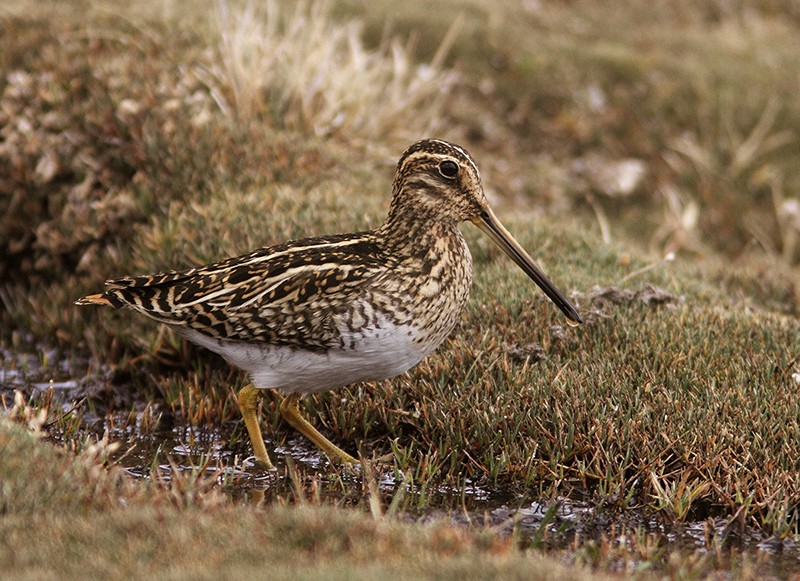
(168, 138)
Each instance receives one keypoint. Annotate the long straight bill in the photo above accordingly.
(489, 223)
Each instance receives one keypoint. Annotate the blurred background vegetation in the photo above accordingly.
(674, 124)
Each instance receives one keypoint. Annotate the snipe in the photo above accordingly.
(320, 313)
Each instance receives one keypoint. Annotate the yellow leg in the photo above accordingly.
(290, 411)
(248, 404)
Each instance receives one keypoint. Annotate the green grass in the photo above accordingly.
(170, 137)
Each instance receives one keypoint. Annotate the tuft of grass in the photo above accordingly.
(300, 69)
(730, 168)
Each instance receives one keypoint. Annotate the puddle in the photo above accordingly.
(45, 370)
(154, 444)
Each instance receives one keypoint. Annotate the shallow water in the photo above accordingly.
(154, 445)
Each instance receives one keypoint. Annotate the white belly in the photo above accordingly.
(377, 353)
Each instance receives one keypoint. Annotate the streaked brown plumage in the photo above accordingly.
(320, 313)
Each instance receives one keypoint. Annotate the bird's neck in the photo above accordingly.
(416, 234)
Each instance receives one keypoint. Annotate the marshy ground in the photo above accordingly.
(646, 156)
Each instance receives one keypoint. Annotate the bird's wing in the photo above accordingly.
(288, 294)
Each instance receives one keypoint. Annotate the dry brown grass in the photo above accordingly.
(299, 68)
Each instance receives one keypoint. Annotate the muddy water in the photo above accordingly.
(154, 444)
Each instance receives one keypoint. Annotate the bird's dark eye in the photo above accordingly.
(448, 169)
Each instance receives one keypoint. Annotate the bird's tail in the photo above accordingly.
(98, 299)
